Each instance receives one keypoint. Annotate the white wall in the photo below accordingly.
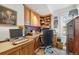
(78, 8)
(19, 8)
(61, 14)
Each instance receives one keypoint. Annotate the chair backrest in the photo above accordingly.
(47, 37)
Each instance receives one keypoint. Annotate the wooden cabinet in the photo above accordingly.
(24, 49)
(73, 36)
(30, 49)
(37, 43)
(27, 50)
(27, 16)
(16, 52)
(35, 19)
(70, 35)
(30, 17)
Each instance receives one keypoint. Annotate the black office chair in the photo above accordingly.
(47, 41)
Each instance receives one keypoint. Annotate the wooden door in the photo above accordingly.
(27, 49)
(30, 49)
(14, 51)
(22, 50)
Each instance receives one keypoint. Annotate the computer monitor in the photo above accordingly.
(16, 33)
(19, 33)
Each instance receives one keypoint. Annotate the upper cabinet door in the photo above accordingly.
(35, 19)
(31, 18)
(27, 16)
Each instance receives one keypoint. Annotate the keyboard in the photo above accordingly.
(19, 41)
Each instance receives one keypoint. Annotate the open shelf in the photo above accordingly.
(45, 21)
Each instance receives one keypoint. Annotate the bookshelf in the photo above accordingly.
(45, 21)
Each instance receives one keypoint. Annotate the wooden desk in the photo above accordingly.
(7, 48)
(36, 40)
(34, 36)
(25, 48)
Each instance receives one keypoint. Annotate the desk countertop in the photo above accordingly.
(34, 36)
(8, 45)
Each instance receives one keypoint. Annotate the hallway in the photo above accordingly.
(56, 51)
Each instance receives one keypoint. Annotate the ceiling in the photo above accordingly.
(45, 9)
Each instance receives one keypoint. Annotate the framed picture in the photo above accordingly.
(7, 16)
(55, 22)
